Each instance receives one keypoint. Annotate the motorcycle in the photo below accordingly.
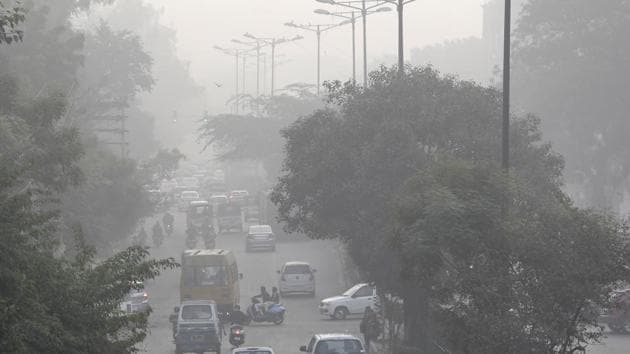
(191, 240)
(237, 335)
(273, 313)
(169, 229)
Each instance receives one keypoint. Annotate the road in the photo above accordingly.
(258, 268)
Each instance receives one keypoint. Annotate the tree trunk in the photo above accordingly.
(417, 320)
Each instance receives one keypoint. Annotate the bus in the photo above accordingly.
(210, 274)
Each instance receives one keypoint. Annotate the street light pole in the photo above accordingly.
(400, 7)
(272, 42)
(236, 53)
(318, 29)
(506, 86)
(354, 49)
(365, 10)
(364, 15)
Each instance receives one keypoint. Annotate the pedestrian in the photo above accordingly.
(369, 327)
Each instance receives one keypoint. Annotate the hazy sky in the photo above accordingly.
(200, 24)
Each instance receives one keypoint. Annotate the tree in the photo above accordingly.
(47, 303)
(567, 64)
(345, 166)
(247, 137)
(9, 21)
(517, 282)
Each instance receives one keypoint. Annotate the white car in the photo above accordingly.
(297, 277)
(352, 302)
(253, 350)
(334, 343)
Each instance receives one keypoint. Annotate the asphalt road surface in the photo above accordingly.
(259, 268)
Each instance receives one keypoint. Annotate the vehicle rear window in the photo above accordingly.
(190, 195)
(260, 229)
(340, 346)
(297, 269)
(197, 312)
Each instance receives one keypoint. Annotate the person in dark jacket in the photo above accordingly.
(275, 295)
(370, 328)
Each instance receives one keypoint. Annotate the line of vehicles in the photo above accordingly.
(209, 282)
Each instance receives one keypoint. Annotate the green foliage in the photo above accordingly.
(162, 166)
(517, 282)
(9, 22)
(246, 137)
(111, 201)
(567, 64)
(377, 174)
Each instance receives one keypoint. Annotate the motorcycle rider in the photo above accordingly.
(168, 219)
(260, 300)
(275, 295)
(237, 316)
(158, 234)
(208, 234)
(191, 237)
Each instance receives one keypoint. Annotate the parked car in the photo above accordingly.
(260, 237)
(334, 343)
(352, 302)
(253, 350)
(297, 277)
(185, 198)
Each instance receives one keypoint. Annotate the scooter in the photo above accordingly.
(169, 229)
(237, 335)
(274, 313)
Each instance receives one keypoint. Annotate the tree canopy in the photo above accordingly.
(404, 172)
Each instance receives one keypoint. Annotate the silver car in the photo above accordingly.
(260, 237)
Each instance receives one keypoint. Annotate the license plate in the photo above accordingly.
(197, 338)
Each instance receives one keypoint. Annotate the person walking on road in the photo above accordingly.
(369, 327)
(168, 219)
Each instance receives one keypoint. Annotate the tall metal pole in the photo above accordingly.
(354, 52)
(319, 34)
(236, 82)
(506, 85)
(364, 14)
(401, 50)
(244, 68)
(273, 64)
(257, 76)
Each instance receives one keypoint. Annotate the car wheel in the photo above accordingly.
(178, 350)
(340, 313)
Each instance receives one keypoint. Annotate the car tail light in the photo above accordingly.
(145, 295)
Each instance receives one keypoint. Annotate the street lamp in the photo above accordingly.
(350, 19)
(236, 53)
(364, 8)
(506, 86)
(400, 6)
(271, 41)
(318, 29)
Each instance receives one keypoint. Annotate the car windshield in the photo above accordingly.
(260, 229)
(352, 290)
(197, 312)
(297, 269)
(205, 276)
(339, 346)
